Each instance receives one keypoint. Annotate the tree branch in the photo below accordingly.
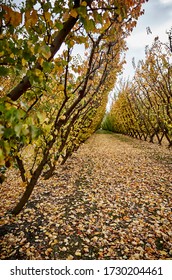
(25, 84)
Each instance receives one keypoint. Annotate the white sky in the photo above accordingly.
(157, 16)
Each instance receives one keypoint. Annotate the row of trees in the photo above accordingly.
(53, 99)
(143, 108)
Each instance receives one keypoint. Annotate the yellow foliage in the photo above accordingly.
(73, 13)
(47, 16)
(84, 3)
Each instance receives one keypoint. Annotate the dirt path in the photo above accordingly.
(112, 200)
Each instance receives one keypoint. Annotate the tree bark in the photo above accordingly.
(21, 168)
(17, 209)
(30, 186)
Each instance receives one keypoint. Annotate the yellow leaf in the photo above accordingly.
(12, 55)
(40, 60)
(84, 3)
(45, 51)
(64, 249)
(70, 257)
(163, 253)
(24, 62)
(28, 252)
(62, 118)
(38, 72)
(54, 242)
(48, 251)
(47, 16)
(86, 249)
(23, 184)
(95, 238)
(73, 13)
(78, 253)
(2, 162)
(61, 87)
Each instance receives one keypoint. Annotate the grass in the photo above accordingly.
(102, 131)
(118, 136)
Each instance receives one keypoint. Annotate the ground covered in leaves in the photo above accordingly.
(111, 200)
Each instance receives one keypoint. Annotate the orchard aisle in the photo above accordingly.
(111, 200)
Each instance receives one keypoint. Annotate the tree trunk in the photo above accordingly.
(21, 168)
(24, 199)
(49, 173)
(30, 186)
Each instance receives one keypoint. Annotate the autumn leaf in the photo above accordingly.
(117, 224)
(74, 13)
(11, 16)
(31, 18)
(45, 51)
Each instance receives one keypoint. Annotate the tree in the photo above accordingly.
(52, 98)
(143, 108)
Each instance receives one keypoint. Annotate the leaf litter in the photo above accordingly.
(111, 200)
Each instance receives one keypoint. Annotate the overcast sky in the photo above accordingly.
(157, 16)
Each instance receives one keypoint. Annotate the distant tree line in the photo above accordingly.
(143, 107)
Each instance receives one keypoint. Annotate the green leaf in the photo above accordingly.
(82, 11)
(35, 132)
(3, 71)
(8, 133)
(59, 25)
(89, 24)
(47, 66)
(18, 129)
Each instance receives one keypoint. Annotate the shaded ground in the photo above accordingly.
(112, 200)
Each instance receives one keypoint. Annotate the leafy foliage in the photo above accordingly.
(52, 98)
